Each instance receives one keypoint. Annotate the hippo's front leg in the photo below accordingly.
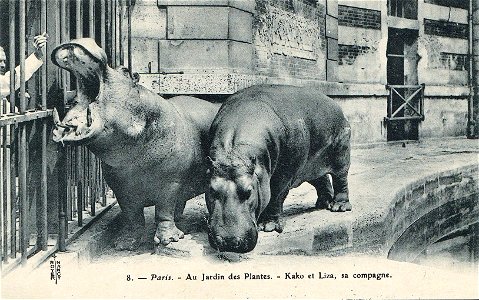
(271, 220)
(166, 230)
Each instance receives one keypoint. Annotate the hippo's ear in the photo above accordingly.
(264, 192)
(136, 77)
(209, 161)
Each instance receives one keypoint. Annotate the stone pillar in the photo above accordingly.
(192, 46)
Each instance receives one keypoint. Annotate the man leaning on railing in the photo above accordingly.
(32, 64)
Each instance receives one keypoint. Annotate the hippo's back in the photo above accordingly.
(297, 107)
(200, 112)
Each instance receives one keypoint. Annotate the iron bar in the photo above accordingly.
(79, 185)
(103, 187)
(69, 188)
(91, 18)
(404, 118)
(62, 195)
(78, 19)
(21, 50)
(42, 241)
(130, 67)
(103, 24)
(389, 104)
(22, 151)
(406, 101)
(62, 230)
(13, 193)
(113, 33)
(72, 183)
(11, 32)
(410, 86)
(92, 182)
(120, 33)
(27, 116)
(6, 180)
(421, 99)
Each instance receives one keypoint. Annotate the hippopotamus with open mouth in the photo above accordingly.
(266, 140)
(152, 150)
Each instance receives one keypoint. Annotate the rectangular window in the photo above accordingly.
(403, 9)
(450, 3)
(447, 29)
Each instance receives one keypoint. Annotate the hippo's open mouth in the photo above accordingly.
(87, 62)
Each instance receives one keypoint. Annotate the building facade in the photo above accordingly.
(371, 56)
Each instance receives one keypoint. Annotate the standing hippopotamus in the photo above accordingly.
(266, 140)
(152, 150)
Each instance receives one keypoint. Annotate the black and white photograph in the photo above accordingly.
(239, 149)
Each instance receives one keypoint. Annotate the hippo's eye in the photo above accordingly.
(213, 193)
(244, 194)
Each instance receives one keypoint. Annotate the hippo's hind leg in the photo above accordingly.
(130, 237)
(324, 190)
(340, 202)
(340, 169)
(271, 220)
(180, 207)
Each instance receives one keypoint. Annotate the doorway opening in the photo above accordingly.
(405, 101)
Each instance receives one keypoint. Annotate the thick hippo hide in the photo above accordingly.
(266, 140)
(152, 150)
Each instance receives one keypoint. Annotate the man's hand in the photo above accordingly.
(39, 43)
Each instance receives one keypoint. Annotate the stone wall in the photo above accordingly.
(443, 45)
(289, 39)
(193, 46)
(361, 42)
(204, 47)
(443, 117)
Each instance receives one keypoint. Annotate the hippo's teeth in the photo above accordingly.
(88, 117)
(56, 117)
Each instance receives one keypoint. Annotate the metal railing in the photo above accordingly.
(405, 102)
(47, 190)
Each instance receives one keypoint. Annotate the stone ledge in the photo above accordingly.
(225, 82)
(425, 195)
(246, 5)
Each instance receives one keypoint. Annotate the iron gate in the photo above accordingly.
(49, 192)
(405, 102)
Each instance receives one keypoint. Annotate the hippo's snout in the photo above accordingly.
(62, 56)
(233, 242)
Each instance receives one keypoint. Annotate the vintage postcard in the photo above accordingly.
(239, 149)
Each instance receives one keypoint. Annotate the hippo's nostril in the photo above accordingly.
(234, 242)
(219, 241)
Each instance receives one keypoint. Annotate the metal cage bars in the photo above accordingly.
(83, 187)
